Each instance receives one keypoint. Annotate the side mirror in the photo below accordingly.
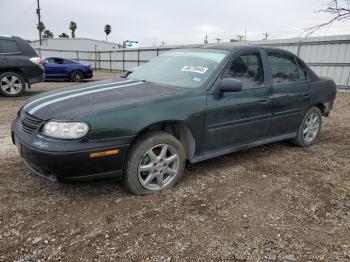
(228, 85)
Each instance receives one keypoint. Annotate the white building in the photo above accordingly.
(81, 44)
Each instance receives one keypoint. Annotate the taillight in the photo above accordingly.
(37, 60)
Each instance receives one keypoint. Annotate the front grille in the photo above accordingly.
(30, 123)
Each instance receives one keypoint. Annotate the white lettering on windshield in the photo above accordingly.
(195, 69)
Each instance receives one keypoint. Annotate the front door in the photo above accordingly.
(54, 68)
(290, 93)
(237, 119)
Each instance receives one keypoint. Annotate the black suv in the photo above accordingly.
(19, 66)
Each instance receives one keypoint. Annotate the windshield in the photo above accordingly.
(188, 69)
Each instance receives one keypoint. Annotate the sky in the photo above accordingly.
(152, 22)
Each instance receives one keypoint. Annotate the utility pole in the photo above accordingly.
(266, 35)
(39, 20)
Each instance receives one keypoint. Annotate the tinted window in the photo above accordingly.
(9, 46)
(58, 61)
(284, 69)
(249, 69)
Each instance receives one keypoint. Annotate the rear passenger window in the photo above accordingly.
(9, 46)
(249, 69)
(285, 69)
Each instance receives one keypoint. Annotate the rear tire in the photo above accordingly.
(309, 129)
(12, 84)
(77, 76)
(155, 163)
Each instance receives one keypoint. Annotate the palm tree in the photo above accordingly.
(73, 27)
(63, 35)
(108, 30)
(41, 28)
(47, 34)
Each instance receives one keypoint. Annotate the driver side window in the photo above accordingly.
(247, 68)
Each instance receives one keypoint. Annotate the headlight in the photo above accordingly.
(65, 130)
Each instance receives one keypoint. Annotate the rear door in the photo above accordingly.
(237, 119)
(290, 92)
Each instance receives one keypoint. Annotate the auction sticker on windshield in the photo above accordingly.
(195, 69)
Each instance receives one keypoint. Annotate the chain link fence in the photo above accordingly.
(327, 56)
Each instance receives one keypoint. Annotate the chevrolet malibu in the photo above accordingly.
(185, 105)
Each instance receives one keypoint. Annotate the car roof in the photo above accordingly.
(55, 57)
(234, 47)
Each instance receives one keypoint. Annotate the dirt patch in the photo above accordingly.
(272, 203)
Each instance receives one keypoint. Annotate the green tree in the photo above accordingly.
(108, 30)
(47, 34)
(73, 27)
(63, 35)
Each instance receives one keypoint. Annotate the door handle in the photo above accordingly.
(307, 94)
(265, 101)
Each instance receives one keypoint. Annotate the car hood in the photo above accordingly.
(70, 102)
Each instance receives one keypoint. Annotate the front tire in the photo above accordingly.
(310, 128)
(12, 84)
(77, 76)
(156, 162)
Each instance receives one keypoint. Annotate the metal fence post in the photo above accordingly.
(78, 55)
(110, 60)
(138, 57)
(157, 52)
(299, 47)
(123, 60)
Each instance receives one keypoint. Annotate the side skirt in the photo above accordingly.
(235, 149)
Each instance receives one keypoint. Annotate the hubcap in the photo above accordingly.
(311, 127)
(158, 167)
(11, 85)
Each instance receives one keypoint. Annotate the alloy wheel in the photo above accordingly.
(77, 76)
(11, 85)
(158, 167)
(311, 128)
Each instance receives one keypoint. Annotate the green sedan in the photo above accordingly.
(185, 105)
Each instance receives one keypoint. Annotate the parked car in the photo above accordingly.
(190, 104)
(66, 69)
(20, 66)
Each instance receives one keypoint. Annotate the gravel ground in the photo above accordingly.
(272, 203)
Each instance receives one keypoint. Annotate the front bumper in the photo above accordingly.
(69, 160)
(89, 75)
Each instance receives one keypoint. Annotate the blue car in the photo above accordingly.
(65, 69)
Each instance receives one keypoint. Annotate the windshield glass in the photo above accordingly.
(188, 69)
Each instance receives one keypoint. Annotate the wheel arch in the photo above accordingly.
(321, 106)
(75, 70)
(15, 70)
(176, 128)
